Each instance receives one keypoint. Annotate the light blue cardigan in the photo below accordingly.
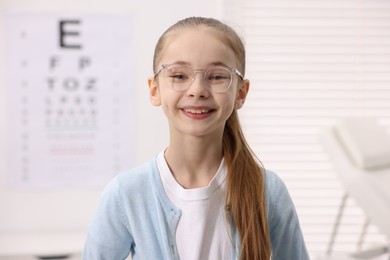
(136, 217)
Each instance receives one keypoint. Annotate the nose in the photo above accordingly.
(198, 87)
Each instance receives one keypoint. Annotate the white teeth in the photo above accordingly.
(193, 111)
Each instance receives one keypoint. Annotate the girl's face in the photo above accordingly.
(197, 111)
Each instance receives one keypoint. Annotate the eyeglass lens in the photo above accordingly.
(181, 77)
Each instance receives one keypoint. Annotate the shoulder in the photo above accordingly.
(277, 195)
(139, 175)
(274, 185)
(133, 181)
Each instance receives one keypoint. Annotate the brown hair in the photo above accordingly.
(245, 198)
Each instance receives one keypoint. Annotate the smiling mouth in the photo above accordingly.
(197, 111)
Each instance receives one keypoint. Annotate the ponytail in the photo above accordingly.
(245, 197)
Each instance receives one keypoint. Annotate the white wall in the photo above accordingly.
(55, 221)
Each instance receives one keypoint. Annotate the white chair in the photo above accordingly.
(360, 151)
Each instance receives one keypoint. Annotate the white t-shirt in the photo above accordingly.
(203, 231)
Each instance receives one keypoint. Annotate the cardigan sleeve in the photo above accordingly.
(287, 241)
(109, 234)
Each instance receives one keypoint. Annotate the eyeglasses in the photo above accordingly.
(180, 77)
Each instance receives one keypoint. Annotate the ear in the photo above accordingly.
(242, 91)
(154, 92)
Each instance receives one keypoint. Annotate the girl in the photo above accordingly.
(205, 196)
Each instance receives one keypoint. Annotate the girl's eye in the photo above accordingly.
(180, 76)
(216, 77)
(219, 77)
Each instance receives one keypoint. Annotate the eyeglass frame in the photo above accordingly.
(195, 71)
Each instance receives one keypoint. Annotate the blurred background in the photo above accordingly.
(74, 107)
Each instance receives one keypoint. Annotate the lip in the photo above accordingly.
(197, 112)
